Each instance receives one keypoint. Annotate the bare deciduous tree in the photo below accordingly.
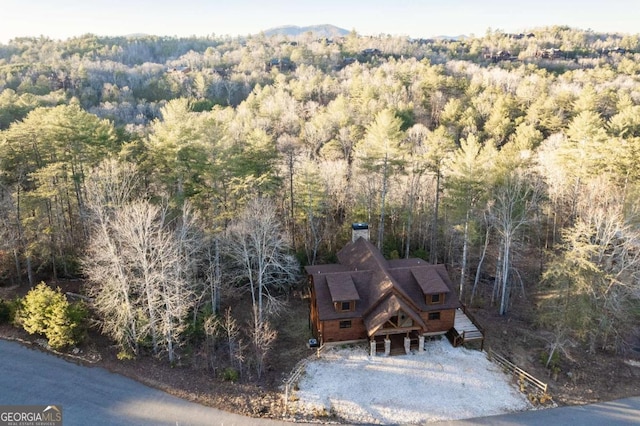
(235, 344)
(108, 189)
(259, 253)
(214, 273)
(262, 338)
(515, 200)
(141, 268)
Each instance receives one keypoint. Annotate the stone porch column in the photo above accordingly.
(407, 345)
(387, 346)
(373, 347)
(421, 344)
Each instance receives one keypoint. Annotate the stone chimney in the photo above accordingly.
(359, 230)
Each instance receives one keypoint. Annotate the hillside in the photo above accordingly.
(319, 30)
(141, 166)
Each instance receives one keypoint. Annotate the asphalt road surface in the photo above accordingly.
(614, 413)
(94, 396)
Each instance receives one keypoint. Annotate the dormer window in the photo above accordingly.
(343, 292)
(432, 285)
(435, 299)
(345, 306)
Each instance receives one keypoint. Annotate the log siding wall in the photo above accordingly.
(447, 318)
(331, 331)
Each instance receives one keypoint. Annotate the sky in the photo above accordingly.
(62, 19)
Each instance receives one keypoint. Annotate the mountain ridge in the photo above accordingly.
(323, 30)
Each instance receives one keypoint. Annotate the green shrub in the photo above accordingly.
(8, 310)
(420, 253)
(125, 355)
(230, 374)
(4, 312)
(552, 363)
(195, 331)
(47, 312)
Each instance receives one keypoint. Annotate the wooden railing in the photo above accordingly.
(458, 339)
(293, 378)
(520, 374)
(472, 318)
(291, 381)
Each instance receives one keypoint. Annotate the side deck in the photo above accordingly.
(465, 329)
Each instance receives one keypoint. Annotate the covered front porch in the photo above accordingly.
(397, 343)
(394, 328)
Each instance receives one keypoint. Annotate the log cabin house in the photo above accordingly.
(394, 304)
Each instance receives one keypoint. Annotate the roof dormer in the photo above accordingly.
(432, 285)
(343, 292)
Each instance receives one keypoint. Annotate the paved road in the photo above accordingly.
(94, 396)
(614, 413)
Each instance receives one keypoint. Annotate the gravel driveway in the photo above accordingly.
(442, 383)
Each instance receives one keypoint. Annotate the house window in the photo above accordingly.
(345, 324)
(435, 299)
(344, 306)
(434, 316)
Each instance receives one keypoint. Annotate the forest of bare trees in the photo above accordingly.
(169, 172)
